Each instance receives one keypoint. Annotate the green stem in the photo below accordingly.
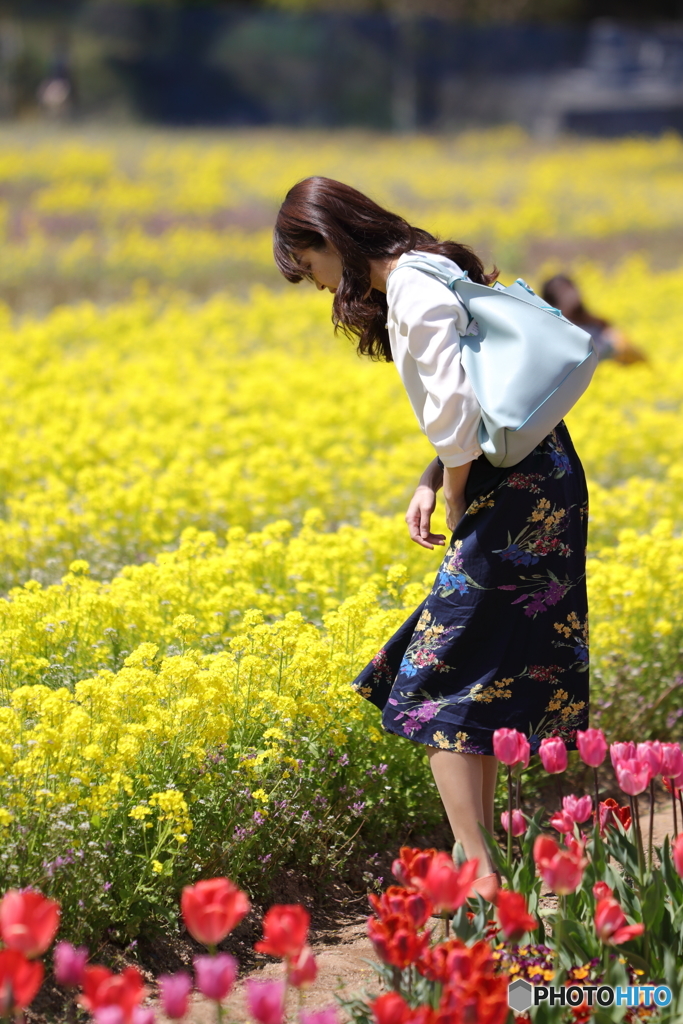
(652, 824)
(597, 797)
(557, 933)
(673, 801)
(509, 819)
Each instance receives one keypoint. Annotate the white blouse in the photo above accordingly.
(425, 322)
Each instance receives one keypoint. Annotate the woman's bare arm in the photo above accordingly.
(422, 505)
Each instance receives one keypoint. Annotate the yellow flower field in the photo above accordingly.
(201, 539)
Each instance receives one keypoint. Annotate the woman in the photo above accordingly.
(609, 342)
(501, 640)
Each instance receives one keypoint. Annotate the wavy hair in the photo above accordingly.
(319, 211)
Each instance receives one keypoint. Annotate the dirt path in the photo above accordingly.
(342, 955)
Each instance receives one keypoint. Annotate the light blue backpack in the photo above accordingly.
(528, 365)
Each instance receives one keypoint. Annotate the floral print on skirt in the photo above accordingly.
(502, 639)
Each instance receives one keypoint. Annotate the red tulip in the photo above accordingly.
(673, 785)
(518, 822)
(304, 970)
(579, 808)
(174, 990)
(672, 759)
(446, 885)
(411, 864)
(650, 753)
(454, 961)
(266, 1001)
(610, 811)
(621, 752)
(601, 890)
(633, 776)
(396, 940)
(394, 900)
(28, 921)
(562, 821)
(212, 908)
(592, 746)
(285, 928)
(553, 754)
(19, 981)
(390, 1008)
(70, 964)
(513, 916)
(610, 923)
(561, 869)
(102, 988)
(511, 747)
(677, 852)
(215, 975)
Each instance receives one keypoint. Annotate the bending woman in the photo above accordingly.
(501, 640)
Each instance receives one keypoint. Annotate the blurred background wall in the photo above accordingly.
(590, 66)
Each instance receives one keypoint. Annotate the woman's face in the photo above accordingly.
(323, 266)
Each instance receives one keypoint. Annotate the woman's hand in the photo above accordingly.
(419, 515)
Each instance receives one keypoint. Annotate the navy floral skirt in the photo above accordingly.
(502, 639)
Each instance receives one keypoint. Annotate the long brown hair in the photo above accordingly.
(319, 210)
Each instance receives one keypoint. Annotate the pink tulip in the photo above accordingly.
(677, 851)
(601, 890)
(610, 923)
(562, 821)
(328, 1015)
(114, 1014)
(650, 753)
(672, 760)
(69, 964)
(175, 990)
(303, 970)
(518, 822)
(621, 751)
(511, 747)
(553, 754)
(266, 1001)
(633, 776)
(579, 808)
(143, 1015)
(215, 975)
(592, 746)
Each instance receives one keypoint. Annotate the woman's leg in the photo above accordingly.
(460, 781)
(490, 769)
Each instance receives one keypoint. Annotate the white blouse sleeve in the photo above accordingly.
(428, 320)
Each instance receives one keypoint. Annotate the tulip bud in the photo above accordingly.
(266, 1001)
(579, 808)
(69, 964)
(592, 746)
(601, 890)
(175, 990)
(328, 1015)
(28, 921)
(304, 970)
(511, 747)
(215, 975)
(518, 822)
(678, 854)
(553, 754)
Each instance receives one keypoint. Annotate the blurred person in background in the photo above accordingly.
(501, 640)
(609, 342)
